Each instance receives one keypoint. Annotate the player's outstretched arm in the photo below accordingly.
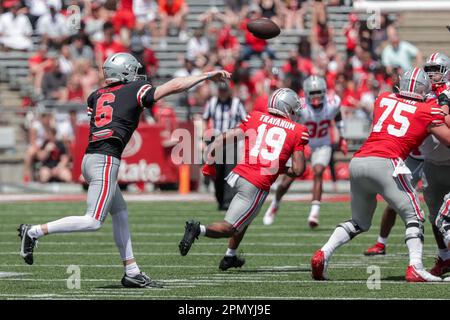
(442, 133)
(298, 165)
(181, 84)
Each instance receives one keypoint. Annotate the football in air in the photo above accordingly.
(263, 28)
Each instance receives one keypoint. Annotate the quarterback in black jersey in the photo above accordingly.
(114, 115)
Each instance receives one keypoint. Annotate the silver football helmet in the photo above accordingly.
(437, 67)
(415, 84)
(121, 67)
(284, 102)
(315, 89)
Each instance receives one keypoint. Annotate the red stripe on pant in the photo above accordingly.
(105, 189)
(410, 193)
(446, 210)
(249, 213)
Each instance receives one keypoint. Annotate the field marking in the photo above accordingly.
(12, 274)
(250, 235)
(227, 280)
(208, 244)
(84, 296)
(254, 254)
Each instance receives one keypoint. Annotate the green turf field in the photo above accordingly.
(277, 257)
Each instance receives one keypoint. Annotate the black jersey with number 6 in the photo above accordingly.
(115, 112)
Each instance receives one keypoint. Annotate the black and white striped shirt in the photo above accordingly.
(225, 115)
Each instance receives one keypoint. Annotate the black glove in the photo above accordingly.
(444, 99)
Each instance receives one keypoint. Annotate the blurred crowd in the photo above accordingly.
(64, 66)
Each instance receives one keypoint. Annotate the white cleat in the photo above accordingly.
(414, 274)
(269, 216)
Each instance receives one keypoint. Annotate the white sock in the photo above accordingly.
(415, 248)
(382, 240)
(230, 252)
(202, 230)
(132, 269)
(337, 239)
(74, 224)
(444, 254)
(122, 236)
(315, 208)
(275, 203)
(36, 232)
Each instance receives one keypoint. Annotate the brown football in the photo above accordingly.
(263, 28)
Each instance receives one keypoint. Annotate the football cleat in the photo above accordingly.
(313, 222)
(319, 266)
(140, 280)
(440, 267)
(414, 274)
(377, 249)
(228, 262)
(269, 216)
(191, 232)
(27, 244)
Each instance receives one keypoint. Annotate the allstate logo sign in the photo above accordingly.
(133, 146)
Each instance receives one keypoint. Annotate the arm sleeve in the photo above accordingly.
(302, 140)
(437, 116)
(146, 96)
(244, 124)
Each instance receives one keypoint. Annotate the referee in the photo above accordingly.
(225, 112)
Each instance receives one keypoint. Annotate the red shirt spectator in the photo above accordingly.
(150, 61)
(226, 40)
(124, 17)
(106, 49)
(304, 65)
(170, 7)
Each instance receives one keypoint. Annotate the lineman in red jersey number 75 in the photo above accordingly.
(115, 111)
(270, 140)
(437, 67)
(400, 124)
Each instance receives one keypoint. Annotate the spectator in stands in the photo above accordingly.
(294, 12)
(54, 81)
(368, 98)
(52, 27)
(37, 135)
(227, 44)
(189, 69)
(65, 60)
(96, 17)
(89, 77)
(79, 49)
(173, 13)
(400, 53)
(254, 45)
(265, 78)
(302, 56)
(109, 45)
(73, 92)
(54, 160)
(65, 130)
(271, 9)
(236, 10)
(351, 33)
(39, 64)
(124, 20)
(198, 45)
(146, 13)
(38, 8)
(379, 35)
(225, 112)
(15, 29)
